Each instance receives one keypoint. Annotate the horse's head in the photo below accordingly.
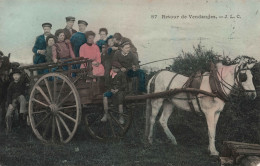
(244, 78)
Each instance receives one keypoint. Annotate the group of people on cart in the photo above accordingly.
(115, 57)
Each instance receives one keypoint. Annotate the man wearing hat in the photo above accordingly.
(79, 38)
(119, 40)
(68, 30)
(16, 94)
(39, 47)
(117, 89)
(130, 65)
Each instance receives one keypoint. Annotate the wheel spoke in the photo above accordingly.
(43, 94)
(116, 121)
(93, 121)
(39, 112)
(63, 83)
(42, 120)
(37, 101)
(119, 113)
(54, 88)
(65, 98)
(48, 88)
(67, 116)
(67, 107)
(47, 127)
(59, 129)
(112, 128)
(64, 124)
(53, 129)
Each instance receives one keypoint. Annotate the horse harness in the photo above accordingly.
(216, 85)
(194, 81)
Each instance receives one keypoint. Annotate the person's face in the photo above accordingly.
(16, 76)
(115, 69)
(70, 24)
(103, 49)
(103, 35)
(110, 42)
(46, 31)
(126, 49)
(82, 27)
(90, 39)
(115, 41)
(61, 37)
(51, 42)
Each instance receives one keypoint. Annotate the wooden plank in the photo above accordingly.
(163, 94)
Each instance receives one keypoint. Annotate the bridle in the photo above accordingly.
(238, 79)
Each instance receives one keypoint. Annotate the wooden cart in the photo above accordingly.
(57, 99)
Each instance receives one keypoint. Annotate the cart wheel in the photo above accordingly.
(111, 129)
(54, 108)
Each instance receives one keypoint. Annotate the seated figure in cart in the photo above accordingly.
(91, 51)
(130, 65)
(16, 94)
(117, 88)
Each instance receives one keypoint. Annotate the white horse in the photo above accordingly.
(210, 106)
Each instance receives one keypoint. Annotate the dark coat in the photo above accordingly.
(126, 61)
(68, 34)
(40, 44)
(16, 89)
(77, 40)
(118, 82)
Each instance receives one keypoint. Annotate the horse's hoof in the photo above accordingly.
(214, 154)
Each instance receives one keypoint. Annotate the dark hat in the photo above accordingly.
(125, 43)
(46, 25)
(116, 64)
(70, 18)
(82, 22)
(15, 70)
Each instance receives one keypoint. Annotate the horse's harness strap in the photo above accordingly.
(152, 84)
(168, 87)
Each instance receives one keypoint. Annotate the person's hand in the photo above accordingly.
(116, 90)
(67, 41)
(95, 64)
(42, 52)
(10, 107)
(55, 60)
(113, 91)
(123, 69)
(134, 68)
(114, 48)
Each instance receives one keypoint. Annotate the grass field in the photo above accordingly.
(21, 147)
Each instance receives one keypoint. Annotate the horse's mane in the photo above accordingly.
(6, 64)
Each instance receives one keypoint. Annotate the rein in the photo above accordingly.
(236, 80)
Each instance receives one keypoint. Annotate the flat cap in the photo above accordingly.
(70, 18)
(15, 70)
(46, 25)
(82, 22)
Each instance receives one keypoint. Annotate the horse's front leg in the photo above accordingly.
(211, 117)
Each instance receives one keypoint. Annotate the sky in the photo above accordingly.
(155, 38)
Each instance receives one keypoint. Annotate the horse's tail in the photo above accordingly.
(148, 111)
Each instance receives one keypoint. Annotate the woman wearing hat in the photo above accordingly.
(117, 89)
(62, 50)
(91, 51)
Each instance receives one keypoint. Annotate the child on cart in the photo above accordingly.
(16, 94)
(116, 91)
